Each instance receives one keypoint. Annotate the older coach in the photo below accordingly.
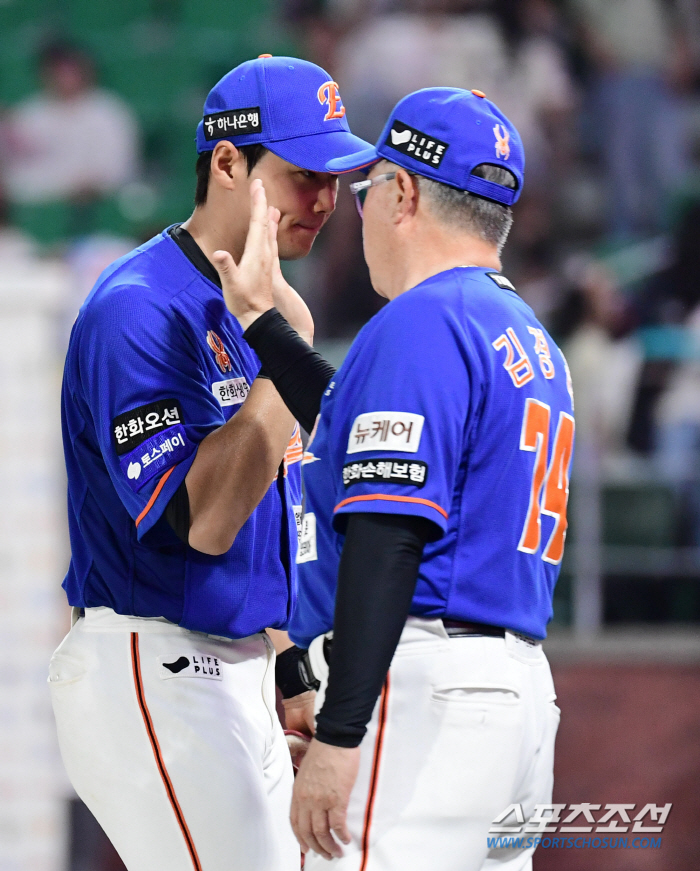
(436, 492)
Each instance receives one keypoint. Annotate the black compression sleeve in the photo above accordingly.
(177, 513)
(299, 373)
(376, 581)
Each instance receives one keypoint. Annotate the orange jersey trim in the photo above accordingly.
(154, 495)
(155, 746)
(371, 497)
(378, 746)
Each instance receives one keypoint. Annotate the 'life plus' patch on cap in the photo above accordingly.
(416, 144)
(235, 122)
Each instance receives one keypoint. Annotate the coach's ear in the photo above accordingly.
(407, 196)
(228, 166)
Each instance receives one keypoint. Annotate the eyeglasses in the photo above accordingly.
(359, 188)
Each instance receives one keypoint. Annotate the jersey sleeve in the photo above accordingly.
(405, 402)
(145, 390)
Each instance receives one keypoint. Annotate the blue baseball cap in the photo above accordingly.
(290, 106)
(443, 134)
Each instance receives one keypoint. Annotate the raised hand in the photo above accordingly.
(247, 286)
(256, 284)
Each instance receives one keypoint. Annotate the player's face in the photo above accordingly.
(305, 199)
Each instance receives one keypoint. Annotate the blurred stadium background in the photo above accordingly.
(98, 107)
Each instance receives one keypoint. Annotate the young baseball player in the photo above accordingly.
(436, 487)
(183, 485)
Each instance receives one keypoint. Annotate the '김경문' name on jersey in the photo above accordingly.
(415, 144)
(231, 392)
(150, 439)
(413, 472)
(386, 431)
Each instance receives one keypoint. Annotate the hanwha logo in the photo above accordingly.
(223, 361)
(502, 142)
(328, 94)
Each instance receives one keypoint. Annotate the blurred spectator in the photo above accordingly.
(507, 52)
(72, 140)
(641, 61)
(678, 439)
(15, 246)
(604, 368)
(661, 310)
(508, 49)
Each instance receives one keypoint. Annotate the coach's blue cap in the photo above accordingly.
(444, 133)
(290, 106)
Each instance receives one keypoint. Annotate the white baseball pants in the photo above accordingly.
(172, 740)
(464, 727)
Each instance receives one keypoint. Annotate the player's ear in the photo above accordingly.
(227, 164)
(407, 201)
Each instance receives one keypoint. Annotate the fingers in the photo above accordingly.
(273, 222)
(313, 833)
(312, 828)
(321, 839)
(225, 265)
(257, 241)
(337, 820)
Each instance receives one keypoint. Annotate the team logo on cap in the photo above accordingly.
(223, 361)
(502, 140)
(328, 93)
(416, 144)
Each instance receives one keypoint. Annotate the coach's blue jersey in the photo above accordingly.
(453, 404)
(155, 363)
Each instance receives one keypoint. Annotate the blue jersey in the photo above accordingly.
(155, 363)
(453, 404)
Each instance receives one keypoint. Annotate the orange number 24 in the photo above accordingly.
(549, 492)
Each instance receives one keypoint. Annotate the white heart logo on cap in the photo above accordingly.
(400, 138)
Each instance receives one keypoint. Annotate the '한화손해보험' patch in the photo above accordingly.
(392, 470)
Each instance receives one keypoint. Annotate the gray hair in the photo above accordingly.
(472, 214)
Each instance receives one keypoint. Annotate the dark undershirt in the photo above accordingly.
(185, 242)
(380, 559)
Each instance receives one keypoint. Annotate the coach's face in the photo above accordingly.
(381, 217)
(306, 200)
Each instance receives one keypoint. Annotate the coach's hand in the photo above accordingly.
(247, 286)
(321, 794)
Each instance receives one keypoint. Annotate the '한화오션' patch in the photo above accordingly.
(133, 427)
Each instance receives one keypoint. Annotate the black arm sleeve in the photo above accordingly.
(376, 582)
(299, 373)
(177, 513)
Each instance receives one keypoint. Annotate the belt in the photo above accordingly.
(459, 628)
(454, 628)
